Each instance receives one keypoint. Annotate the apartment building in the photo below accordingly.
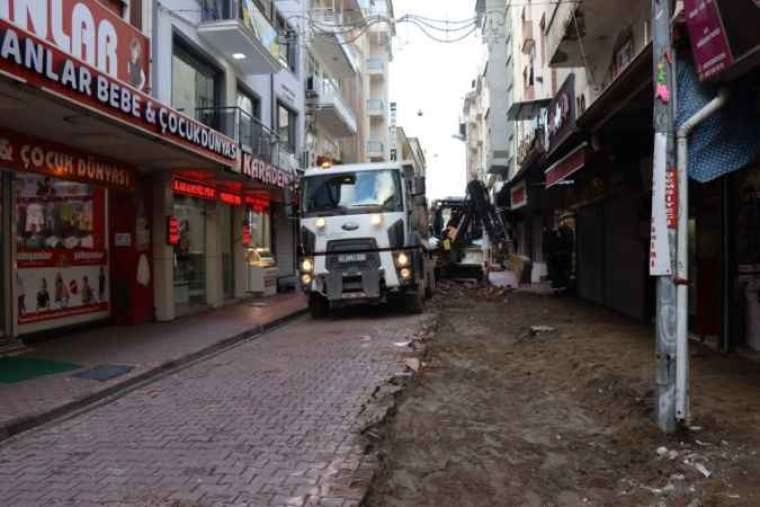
(347, 81)
(474, 131)
(496, 18)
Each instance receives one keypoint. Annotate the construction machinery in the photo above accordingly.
(469, 234)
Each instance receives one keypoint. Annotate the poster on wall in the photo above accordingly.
(62, 262)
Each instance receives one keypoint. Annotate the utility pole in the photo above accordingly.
(664, 213)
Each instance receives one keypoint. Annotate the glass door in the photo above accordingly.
(228, 268)
(190, 254)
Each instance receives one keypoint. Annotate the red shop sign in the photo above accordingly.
(566, 167)
(172, 231)
(231, 199)
(264, 172)
(257, 203)
(25, 153)
(44, 65)
(246, 235)
(193, 189)
(87, 30)
(518, 195)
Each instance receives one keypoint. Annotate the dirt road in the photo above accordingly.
(503, 416)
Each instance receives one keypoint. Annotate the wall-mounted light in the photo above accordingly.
(238, 56)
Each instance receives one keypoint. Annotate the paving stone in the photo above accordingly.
(267, 423)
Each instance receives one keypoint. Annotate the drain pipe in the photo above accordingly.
(682, 262)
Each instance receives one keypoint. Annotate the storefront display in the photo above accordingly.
(262, 267)
(62, 257)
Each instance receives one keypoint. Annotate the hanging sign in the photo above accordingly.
(29, 56)
(24, 153)
(172, 231)
(246, 235)
(723, 34)
(561, 114)
(663, 217)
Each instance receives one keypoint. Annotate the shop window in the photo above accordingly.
(261, 237)
(623, 52)
(286, 127)
(195, 85)
(60, 248)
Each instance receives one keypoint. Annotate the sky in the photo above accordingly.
(433, 78)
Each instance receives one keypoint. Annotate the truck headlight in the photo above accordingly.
(307, 265)
(306, 279)
(402, 260)
(376, 219)
(321, 223)
(406, 273)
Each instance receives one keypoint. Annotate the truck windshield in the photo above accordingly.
(352, 193)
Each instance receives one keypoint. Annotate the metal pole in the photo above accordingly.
(682, 263)
(665, 377)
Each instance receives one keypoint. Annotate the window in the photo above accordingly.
(249, 103)
(195, 85)
(286, 127)
(354, 192)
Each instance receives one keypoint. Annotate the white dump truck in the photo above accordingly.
(364, 236)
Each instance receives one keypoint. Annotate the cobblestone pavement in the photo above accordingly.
(270, 422)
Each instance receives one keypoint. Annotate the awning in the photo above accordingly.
(567, 166)
(526, 110)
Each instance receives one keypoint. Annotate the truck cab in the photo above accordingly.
(364, 236)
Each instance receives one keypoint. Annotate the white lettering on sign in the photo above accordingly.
(76, 78)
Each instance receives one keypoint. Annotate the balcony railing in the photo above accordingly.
(325, 94)
(252, 136)
(375, 107)
(234, 26)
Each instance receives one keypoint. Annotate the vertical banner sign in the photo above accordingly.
(246, 235)
(172, 231)
(659, 250)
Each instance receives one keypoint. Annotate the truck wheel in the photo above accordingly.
(319, 307)
(414, 301)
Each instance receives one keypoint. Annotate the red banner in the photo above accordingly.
(518, 195)
(43, 65)
(88, 31)
(24, 153)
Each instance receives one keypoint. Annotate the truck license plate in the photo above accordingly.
(347, 258)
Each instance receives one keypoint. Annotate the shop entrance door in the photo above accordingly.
(190, 255)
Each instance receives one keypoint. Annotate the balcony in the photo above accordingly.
(589, 26)
(252, 136)
(529, 41)
(376, 67)
(240, 32)
(375, 108)
(375, 149)
(330, 109)
(331, 47)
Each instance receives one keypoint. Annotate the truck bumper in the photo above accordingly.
(358, 285)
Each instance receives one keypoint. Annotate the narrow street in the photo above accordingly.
(562, 416)
(273, 421)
